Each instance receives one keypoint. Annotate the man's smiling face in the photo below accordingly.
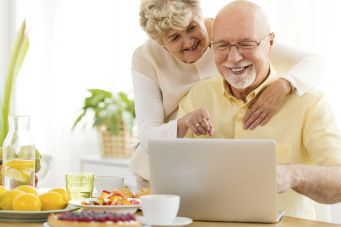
(241, 66)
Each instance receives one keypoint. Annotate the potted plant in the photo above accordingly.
(113, 116)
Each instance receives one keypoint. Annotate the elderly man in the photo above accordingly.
(309, 143)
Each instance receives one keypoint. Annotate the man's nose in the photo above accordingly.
(234, 55)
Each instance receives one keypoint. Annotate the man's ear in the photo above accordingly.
(272, 41)
(272, 38)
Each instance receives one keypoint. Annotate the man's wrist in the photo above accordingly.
(294, 175)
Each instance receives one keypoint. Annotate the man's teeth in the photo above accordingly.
(239, 69)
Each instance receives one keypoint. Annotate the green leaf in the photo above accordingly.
(17, 57)
(79, 118)
(97, 96)
(123, 97)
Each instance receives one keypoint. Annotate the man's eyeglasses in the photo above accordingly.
(224, 47)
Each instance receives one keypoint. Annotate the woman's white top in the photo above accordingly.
(161, 81)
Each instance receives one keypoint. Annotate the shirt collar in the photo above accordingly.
(271, 78)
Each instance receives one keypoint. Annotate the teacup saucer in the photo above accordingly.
(179, 221)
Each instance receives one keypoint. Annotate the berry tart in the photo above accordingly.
(93, 219)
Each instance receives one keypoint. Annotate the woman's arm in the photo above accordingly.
(299, 71)
(149, 110)
(302, 70)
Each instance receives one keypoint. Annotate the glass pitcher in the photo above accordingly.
(18, 154)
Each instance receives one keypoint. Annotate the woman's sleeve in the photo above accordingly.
(301, 69)
(149, 110)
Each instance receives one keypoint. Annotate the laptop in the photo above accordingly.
(217, 179)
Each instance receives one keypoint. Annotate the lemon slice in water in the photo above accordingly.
(14, 174)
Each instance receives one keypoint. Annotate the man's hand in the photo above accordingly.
(198, 121)
(320, 183)
(268, 102)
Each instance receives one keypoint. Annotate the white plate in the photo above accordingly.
(113, 208)
(179, 221)
(30, 216)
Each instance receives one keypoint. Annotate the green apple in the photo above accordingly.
(37, 157)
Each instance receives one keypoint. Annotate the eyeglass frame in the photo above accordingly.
(238, 46)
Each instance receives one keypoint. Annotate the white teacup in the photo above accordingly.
(160, 209)
(108, 183)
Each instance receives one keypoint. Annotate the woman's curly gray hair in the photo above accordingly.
(158, 17)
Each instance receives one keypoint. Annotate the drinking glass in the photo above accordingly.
(79, 185)
(43, 166)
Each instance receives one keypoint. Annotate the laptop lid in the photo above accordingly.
(217, 179)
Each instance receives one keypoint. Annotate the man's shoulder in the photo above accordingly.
(313, 94)
(309, 99)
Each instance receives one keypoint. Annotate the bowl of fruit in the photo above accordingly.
(119, 201)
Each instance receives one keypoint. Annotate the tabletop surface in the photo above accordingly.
(286, 222)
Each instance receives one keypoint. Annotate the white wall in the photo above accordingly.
(6, 27)
(72, 49)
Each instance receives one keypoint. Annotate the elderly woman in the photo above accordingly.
(177, 56)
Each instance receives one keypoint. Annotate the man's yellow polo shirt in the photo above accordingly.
(304, 128)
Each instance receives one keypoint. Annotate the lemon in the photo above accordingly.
(26, 153)
(15, 174)
(63, 192)
(20, 164)
(7, 199)
(2, 189)
(19, 170)
(27, 202)
(1, 173)
(27, 189)
(52, 201)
